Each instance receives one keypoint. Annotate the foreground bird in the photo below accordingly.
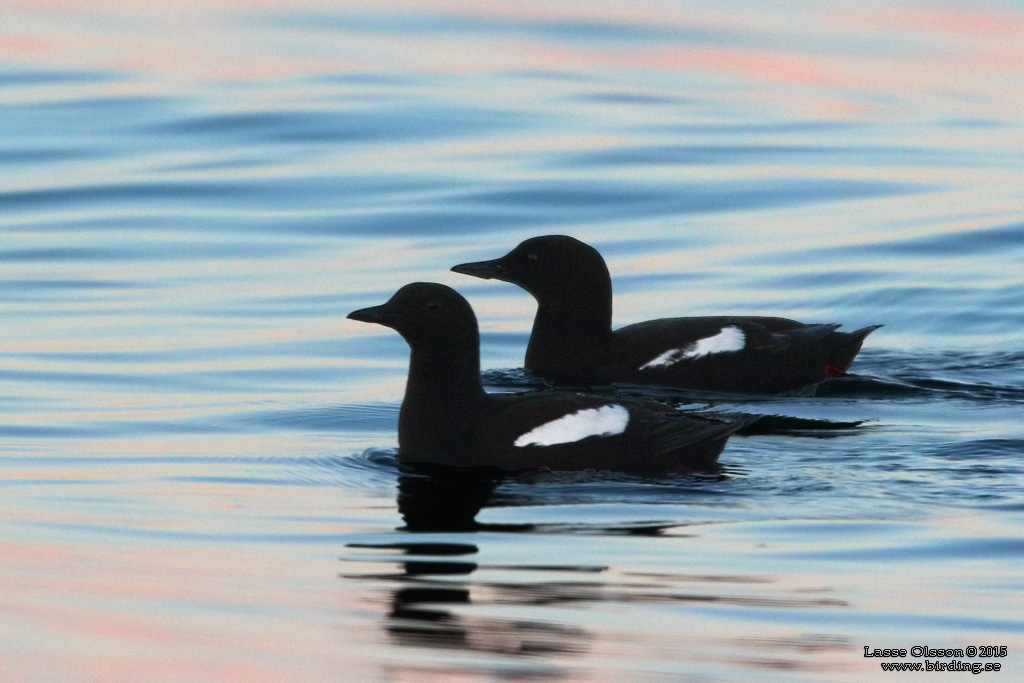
(573, 343)
(448, 419)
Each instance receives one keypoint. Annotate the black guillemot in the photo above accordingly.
(448, 419)
(572, 341)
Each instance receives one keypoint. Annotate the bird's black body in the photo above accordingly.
(448, 419)
(572, 341)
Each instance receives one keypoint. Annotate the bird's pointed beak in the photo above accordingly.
(374, 314)
(487, 270)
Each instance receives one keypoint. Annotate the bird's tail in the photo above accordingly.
(846, 346)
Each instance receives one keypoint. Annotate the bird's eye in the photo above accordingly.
(433, 306)
(532, 256)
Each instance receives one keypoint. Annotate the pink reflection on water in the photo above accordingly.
(219, 39)
(142, 611)
(965, 57)
(988, 23)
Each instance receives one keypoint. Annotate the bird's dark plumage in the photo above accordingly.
(448, 419)
(572, 341)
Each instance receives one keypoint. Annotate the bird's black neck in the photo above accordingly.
(450, 373)
(570, 327)
(443, 397)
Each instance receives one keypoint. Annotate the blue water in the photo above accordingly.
(197, 450)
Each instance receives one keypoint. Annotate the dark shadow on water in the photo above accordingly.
(785, 425)
(445, 499)
(909, 385)
(440, 500)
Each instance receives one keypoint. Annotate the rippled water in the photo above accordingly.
(197, 451)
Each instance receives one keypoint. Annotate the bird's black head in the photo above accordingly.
(545, 266)
(425, 313)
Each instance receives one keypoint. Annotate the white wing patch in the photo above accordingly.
(664, 360)
(604, 421)
(729, 339)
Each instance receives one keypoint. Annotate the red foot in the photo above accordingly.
(833, 371)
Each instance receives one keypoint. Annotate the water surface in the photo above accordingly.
(197, 451)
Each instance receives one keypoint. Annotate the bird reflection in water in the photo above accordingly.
(428, 608)
(427, 615)
(435, 586)
(522, 619)
(443, 498)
